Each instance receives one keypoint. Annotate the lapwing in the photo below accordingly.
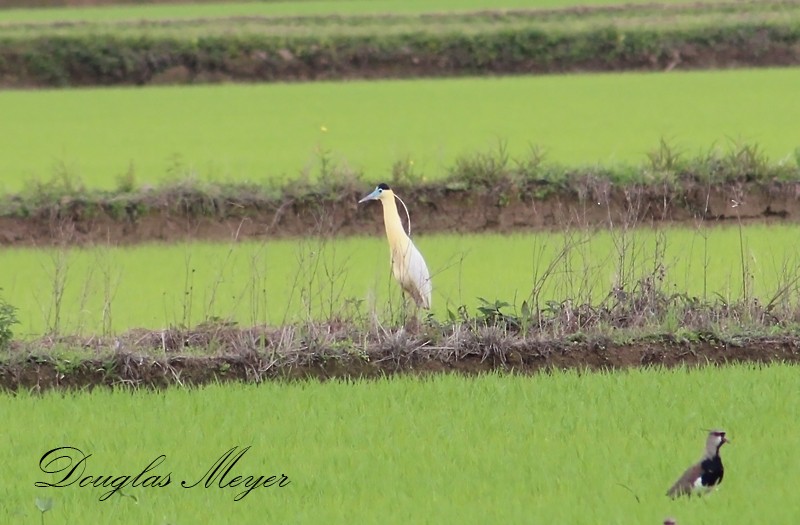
(706, 473)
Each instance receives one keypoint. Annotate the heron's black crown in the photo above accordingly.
(383, 186)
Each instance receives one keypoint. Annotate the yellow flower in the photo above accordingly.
(323, 129)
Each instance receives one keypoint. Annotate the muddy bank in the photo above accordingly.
(652, 37)
(126, 369)
(192, 215)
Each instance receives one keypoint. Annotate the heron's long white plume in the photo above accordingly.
(408, 216)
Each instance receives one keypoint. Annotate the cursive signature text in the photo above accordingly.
(69, 465)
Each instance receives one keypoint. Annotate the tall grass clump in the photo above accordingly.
(8, 318)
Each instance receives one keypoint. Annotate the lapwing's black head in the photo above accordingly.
(384, 186)
(716, 438)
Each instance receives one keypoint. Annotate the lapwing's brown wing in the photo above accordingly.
(686, 481)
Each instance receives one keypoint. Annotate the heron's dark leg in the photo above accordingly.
(411, 314)
(406, 317)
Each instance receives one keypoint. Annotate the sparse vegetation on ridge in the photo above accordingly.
(308, 48)
(322, 353)
(687, 187)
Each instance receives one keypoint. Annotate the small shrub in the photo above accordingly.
(8, 318)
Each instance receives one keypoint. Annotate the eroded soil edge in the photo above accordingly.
(121, 369)
(184, 215)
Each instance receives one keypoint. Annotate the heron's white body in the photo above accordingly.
(408, 266)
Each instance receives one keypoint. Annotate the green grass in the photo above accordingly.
(545, 449)
(260, 132)
(316, 25)
(154, 286)
(288, 8)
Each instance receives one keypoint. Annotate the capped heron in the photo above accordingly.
(408, 266)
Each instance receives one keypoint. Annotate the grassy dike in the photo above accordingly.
(511, 194)
(310, 47)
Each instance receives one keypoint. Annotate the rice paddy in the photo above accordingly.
(155, 286)
(558, 448)
(284, 8)
(277, 132)
(342, 24)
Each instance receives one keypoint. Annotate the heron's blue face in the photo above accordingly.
(374, 196)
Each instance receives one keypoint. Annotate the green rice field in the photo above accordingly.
(156, 286)
(283, 8)
(342, 24)
(557, 448)
(276, 132)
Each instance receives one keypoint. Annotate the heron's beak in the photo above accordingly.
(375, 195)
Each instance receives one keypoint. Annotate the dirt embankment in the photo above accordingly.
(40, 372)
(67, 64)
(173, 217)
(650, 37)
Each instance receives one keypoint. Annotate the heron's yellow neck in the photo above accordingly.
(391, 220)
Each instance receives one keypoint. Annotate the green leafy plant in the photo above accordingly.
(8, 318)
(491, 314)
